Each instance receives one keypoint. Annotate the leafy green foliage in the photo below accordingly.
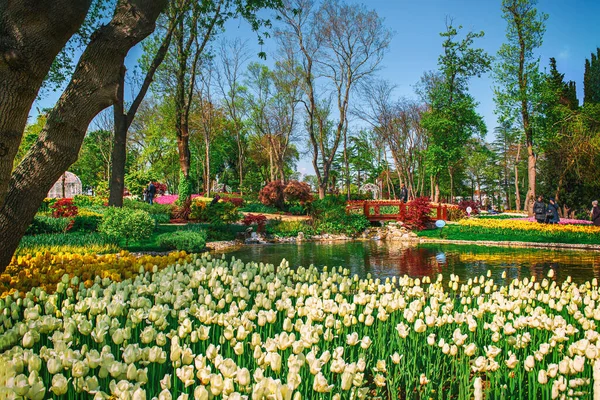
(125, 223)
(186, 240)
(259, 208)
(76, 242)
(288, 228)
(44, 224)
(329, 216)
(185, 188)
(452, 118)
(152, 209)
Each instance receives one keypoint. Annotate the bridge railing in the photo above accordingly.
(391, 210)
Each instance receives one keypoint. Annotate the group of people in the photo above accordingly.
(549, 213)
(546, 213)
(149, 193)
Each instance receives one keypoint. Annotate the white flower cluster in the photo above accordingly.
(217, 329)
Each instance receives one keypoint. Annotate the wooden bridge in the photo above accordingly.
(391, 210)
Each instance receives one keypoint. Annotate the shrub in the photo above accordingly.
(222, 213)
(297, 191)
(288, 228)
(127, 224)
(297, 209)
(272, 195)
(198, 209)
(82, 200)
(149, 208)
(417, 216)
(64, 208)
(258, 208)
(236, 201)
(44, 224)
(161, 218)
(88, 222)
(329, 216)
(469, 203)
(259, 220)
(46, 203)
(190, 241)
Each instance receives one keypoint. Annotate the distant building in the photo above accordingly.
(67, 186)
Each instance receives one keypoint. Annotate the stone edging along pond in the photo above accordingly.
(508, 243)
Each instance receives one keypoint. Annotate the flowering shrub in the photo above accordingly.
(64, 208)
(297, 191)
(198, 209)
(205, 325)
(259, 220)
(272, 195)
(417, 216)
(469, 203)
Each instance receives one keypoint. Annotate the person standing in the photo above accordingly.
(552, 212)
(539, 209)
(404, 193)
(151, 192)
(595, 213)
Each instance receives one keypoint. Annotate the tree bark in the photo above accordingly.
(119, 151)
(91, 89)
(517, 191)
(32, 33)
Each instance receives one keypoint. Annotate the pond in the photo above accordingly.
(387, 259)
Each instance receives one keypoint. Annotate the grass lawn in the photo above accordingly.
(458, 232)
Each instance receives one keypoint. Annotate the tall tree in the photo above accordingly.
(452, 119)
(35, 45)
(233, 55)
(591, 79)
(354, 41)
(516, 74)
(123, 118)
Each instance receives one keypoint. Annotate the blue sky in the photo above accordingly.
(572, 34)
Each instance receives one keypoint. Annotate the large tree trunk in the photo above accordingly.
(119, 150)
(530, 179)
(517, 191)
(91, 89)
(32, 33)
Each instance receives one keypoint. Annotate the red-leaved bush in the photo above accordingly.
(258, 219)
(236, 201)
(161, 188)
(272, 194)
(297, 191)
(417, 216)
(469, 203)
(64, 208)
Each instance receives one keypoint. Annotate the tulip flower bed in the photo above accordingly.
(46, 269)
(207, 328)
(517, 230)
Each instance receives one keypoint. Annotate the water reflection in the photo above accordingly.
(382, 259)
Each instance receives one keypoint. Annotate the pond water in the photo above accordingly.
(387, 259)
